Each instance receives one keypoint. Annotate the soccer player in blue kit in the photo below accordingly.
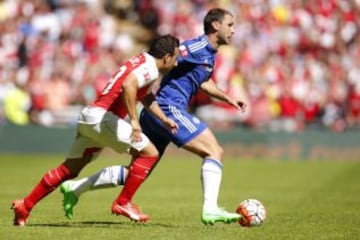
(193, 72)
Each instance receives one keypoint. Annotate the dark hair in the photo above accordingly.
(162, 45)
(215, 14)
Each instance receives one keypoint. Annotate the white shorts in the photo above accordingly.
(97, 129)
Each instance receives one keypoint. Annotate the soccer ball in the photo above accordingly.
(253, 213)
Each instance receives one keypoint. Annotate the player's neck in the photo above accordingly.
(160, 65)
(213, 41)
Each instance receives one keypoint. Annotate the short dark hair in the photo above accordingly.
(215, 14)
(162, 45)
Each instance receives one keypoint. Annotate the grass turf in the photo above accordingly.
(304, 200)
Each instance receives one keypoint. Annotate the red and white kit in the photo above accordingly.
(102, 122)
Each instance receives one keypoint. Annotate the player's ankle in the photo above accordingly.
(28, 204)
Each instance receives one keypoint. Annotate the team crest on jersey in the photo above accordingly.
(208, 68)
(135, 60)
(183, 51)
(196, 120)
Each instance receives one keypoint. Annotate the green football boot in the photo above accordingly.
(219, 215)
(70, 199)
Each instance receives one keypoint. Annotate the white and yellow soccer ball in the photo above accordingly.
(253, 213)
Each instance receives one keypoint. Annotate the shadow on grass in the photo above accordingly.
(98, 224)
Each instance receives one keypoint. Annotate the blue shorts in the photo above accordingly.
(189, 127)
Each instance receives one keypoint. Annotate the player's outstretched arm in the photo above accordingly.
(209, 87)
(150, 103)
(130, 89)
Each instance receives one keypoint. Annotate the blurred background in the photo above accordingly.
(295, 62)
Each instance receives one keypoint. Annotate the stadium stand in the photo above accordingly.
(296, 63)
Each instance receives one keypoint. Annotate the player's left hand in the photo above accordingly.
(170, 125)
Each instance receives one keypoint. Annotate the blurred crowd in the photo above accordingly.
(296, 63)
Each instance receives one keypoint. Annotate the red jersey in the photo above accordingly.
(143, 66)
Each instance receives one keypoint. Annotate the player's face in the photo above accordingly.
(170, 61)
(226, 30)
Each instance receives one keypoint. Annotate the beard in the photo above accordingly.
(222, 41)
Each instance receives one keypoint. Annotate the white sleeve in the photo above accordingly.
(146, 73)
(140, 74)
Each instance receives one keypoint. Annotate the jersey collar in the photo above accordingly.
(209, 47)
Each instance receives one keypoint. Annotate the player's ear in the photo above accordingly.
(216, 25)
(167, 59)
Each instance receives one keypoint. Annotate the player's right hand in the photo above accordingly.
(136, 135)
(240, 105)
(170, 125)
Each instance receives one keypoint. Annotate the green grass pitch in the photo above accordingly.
(304, 200)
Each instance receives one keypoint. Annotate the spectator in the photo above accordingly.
(310, 47)
(17, 103)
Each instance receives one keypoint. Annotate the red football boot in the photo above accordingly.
(129, 210)
(20, 211)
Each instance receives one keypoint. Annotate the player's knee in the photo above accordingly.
(150, 151)
(75, 165)
(215, 152)
(219, 153)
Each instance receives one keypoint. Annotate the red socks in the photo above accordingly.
(50, 181)
(138, 172)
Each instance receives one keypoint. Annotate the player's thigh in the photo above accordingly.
(155, 131)
(82, 151)
(205, 144)
(115, 133)
(193, 134)
(84, 146)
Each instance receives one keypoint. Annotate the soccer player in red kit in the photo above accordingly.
(102, 124)
(192, 74)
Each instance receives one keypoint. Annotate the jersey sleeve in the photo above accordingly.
(202, 73)
(145, 75)
(140, 76)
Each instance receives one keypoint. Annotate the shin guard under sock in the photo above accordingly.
(138, 172)
(50, 181)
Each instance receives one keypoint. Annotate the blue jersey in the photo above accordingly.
(195, 66)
